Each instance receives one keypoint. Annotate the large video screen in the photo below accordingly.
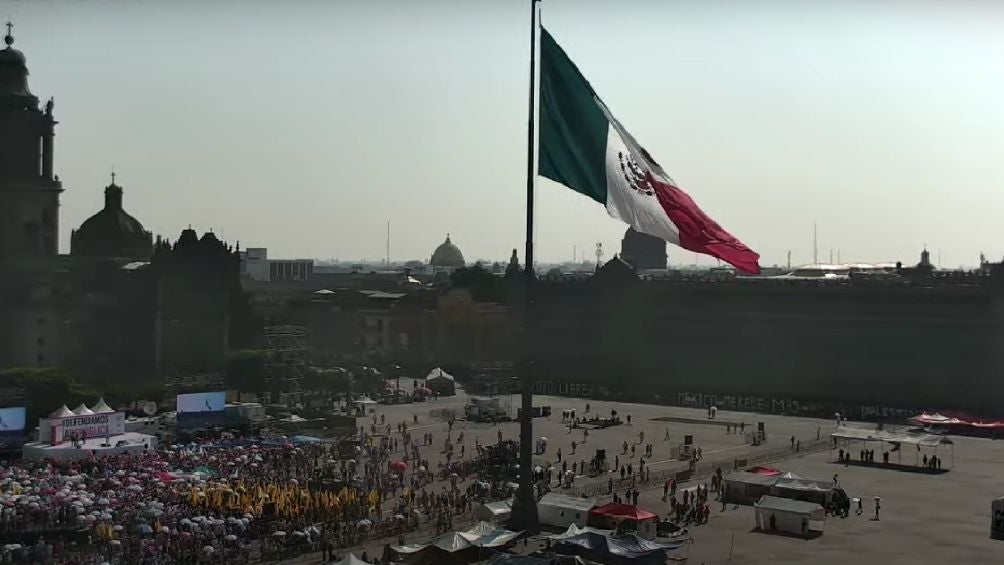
(12, 424)
(202, 402)
(200, 410)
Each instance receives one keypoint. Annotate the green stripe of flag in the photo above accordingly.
(573, 128)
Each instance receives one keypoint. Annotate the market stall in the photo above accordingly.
(784, 515)
(559, 510)
(624, 517)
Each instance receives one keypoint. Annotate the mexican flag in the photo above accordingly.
(585, 148)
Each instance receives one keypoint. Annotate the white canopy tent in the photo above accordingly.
(919, 441)
(482, 535)
(102, 407)
(62, 412)
(494, 512)
(351, 559)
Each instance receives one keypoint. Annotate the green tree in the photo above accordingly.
(46, 389)
(247, 370)
(328, 380)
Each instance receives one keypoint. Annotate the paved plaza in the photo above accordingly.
(940, 518)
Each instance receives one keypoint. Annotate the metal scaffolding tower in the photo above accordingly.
(287, 363)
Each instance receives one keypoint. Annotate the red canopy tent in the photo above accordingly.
(610, 516)
(764, 471)
(955, 420)
(623, 511)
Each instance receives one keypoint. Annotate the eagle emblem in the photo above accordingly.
(636, 177)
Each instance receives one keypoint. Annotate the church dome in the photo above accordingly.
(447, 255)
(13, 71)
(112, 232)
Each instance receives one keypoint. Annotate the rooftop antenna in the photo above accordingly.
(815, 248)
(599, 253)
(789, 258)
(387, 257)
(575, 254)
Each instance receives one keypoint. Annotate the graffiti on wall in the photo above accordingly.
(565, 388)
(751, 403)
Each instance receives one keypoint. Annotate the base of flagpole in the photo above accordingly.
(524, 516)
(524, 505)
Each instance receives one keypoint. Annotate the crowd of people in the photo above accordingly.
(228, 499)
(224, 499)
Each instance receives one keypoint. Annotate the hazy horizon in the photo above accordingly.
(305, 127)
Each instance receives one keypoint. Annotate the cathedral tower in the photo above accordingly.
(29, 192)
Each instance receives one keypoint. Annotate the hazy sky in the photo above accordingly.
(305, 126)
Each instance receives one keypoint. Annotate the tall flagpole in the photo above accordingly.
(524, 510)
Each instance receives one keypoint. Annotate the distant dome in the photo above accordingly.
(447, 255)
(112, 232)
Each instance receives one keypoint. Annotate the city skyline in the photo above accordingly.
(298, 131)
